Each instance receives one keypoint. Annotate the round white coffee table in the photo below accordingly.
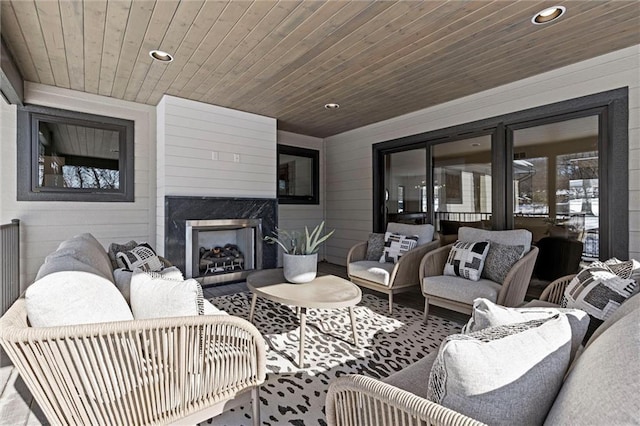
(325, 292)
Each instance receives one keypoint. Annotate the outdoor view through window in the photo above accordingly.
(72, 156)
(556, 179)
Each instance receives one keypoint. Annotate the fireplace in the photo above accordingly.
(178, 210)
(222, 250)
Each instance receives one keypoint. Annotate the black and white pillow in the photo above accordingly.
(466, 259)
(115, 248)
(500, 259)
(395, 245)
(625, 269)
(598, 291)
(142, 256)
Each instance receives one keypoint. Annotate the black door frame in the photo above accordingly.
(612, 110)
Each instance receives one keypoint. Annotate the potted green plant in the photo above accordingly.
(300, 252)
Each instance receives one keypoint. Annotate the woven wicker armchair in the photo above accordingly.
(355, 400)
(402, 276)
(160, 371)
(553, 292)
(459, 293)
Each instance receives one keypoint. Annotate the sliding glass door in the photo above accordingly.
(462, 180)
(405, 176)
(557, 170)
(556, 181)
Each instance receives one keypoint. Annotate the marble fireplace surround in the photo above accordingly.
(179, 209)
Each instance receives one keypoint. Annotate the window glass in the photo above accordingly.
(462, 180)
(556, 181)
(72, 156)
(405, 183)
(298, 175)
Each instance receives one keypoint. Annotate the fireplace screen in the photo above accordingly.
(223, 250)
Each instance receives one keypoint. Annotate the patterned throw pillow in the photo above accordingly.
(375, 246)
(598, 291)
(142, 256)
(115, 248)
(474, 374)
(500, 259)
(395, 245)
(625, 269)
(466, 259)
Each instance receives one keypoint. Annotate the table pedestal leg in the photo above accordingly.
(353, 326)
(303, 325)
(253, 307)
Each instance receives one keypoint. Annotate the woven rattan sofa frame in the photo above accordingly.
(156, 371)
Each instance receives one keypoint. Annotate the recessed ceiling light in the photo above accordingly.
(332, 106)
(161, 56)
(548, 15)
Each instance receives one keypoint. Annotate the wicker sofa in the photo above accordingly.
(183, 369)
(601, 385)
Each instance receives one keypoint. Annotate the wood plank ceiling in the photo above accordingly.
(286, 59)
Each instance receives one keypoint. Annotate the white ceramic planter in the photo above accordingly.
(300, 268)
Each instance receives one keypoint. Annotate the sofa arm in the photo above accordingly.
(406, 270)
(137, 372)
(515, 284)
(554, 292)
(357, 253)
(432, 264)
(355, 400)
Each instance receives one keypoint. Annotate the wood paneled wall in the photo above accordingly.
(45, 223)
(348, 155)
(211, 151)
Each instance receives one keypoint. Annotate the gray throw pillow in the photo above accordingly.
(375, 246)
(500, 259)
(487, 314)
(505, 375)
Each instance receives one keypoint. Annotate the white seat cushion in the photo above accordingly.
(460, 289)
(372, 270)
(514, 237)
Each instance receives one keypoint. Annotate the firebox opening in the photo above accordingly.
(224, 250)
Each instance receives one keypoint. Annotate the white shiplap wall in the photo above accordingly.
(348, 155)
(45, 224)
(294, 217)
(191, 134)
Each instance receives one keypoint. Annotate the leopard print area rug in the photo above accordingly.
(295, 396)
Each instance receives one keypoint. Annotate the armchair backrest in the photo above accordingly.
(513, 237)
(424, 232)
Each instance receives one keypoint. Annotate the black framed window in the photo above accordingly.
(72, 156)
(298, 175)
(579, 185)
